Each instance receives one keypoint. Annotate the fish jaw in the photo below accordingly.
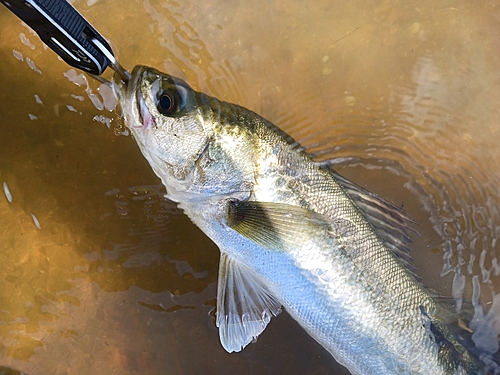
(148, 120)
(125, 94)
(172, 145)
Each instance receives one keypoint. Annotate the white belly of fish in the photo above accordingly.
(327, 301)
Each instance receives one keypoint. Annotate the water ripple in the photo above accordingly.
(443, 151)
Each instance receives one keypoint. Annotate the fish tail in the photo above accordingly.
(469, 337)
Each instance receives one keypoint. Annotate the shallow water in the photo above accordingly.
(99, 274)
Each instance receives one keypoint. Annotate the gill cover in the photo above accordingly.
(169, 123)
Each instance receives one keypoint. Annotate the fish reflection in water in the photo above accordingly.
(353, 101)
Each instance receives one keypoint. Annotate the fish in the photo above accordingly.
(293, 234)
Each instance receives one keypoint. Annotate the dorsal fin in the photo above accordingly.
(391, 222)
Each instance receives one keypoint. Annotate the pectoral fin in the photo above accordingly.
(276, 226)
(244, 304)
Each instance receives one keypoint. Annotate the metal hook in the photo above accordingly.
(101, 79)
(113, 63)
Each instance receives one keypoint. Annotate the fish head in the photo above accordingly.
(162, 114)
(180, 133)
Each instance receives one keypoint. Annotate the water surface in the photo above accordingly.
(100, 274)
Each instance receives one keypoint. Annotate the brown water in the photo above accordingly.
(100, 274)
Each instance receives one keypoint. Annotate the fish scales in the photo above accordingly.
(289, 235)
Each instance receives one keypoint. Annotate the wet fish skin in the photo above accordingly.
(288, 233)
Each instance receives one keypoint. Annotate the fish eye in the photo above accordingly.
(166, 102)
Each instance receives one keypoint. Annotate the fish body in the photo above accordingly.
(289, 233)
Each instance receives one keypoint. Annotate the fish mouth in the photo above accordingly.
(147, 119)
(126, 92)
